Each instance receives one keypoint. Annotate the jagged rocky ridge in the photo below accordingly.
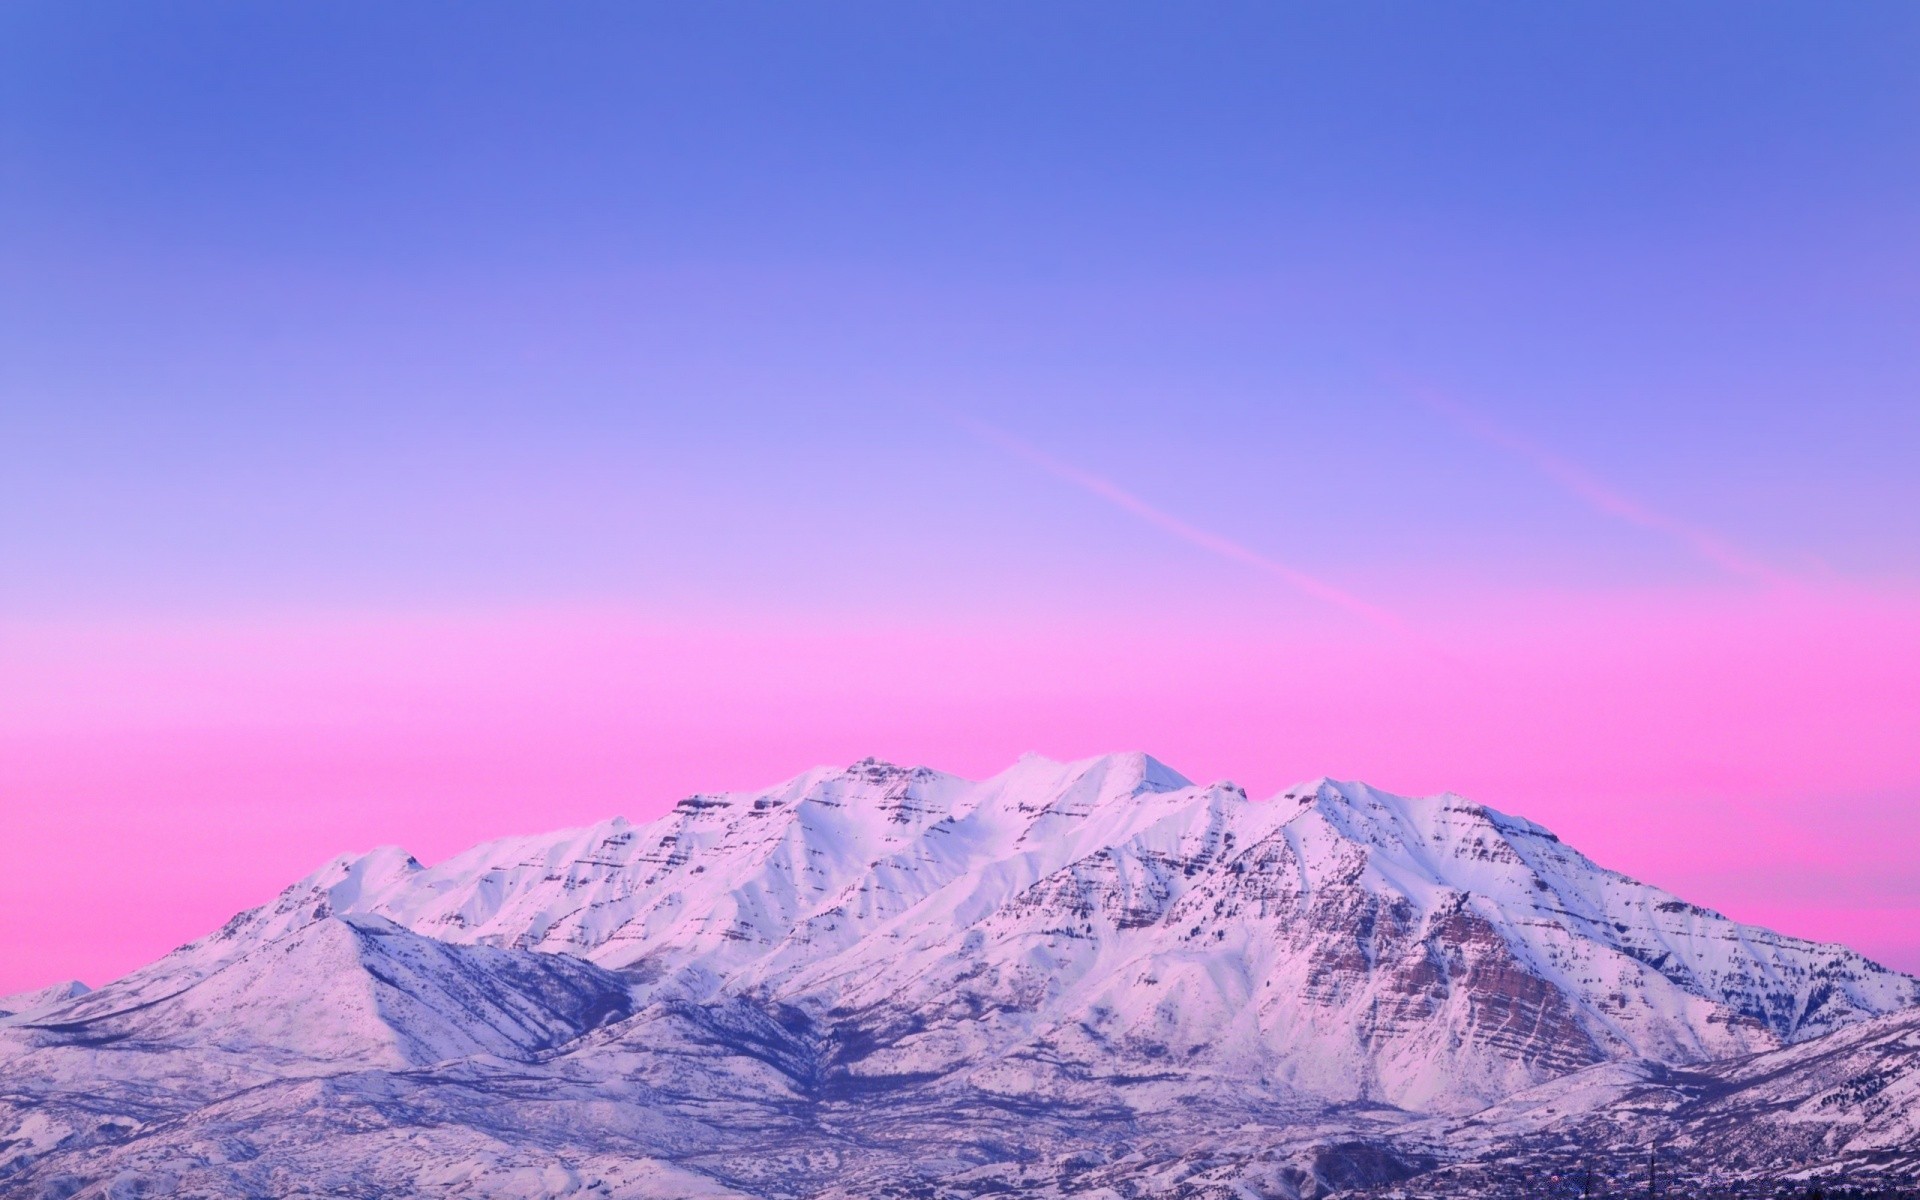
(1066, 978)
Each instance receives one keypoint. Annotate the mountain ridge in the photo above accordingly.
(1102, 946)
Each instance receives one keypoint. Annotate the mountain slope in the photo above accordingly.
(224, 1016)
(331, 994)
(1843, 1107)
(22, 1005)
(1429, 953)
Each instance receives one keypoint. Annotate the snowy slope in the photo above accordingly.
(326, 995)
(22, 1005)
(1843, 1107)
(1337, 939)
(223, 1017)
(1849, 1100)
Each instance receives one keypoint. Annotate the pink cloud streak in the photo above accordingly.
(1227, 548)
(1601, 496)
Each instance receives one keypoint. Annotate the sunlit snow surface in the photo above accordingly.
(1066, 978)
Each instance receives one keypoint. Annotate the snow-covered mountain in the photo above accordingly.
(1125, 964)
(1427, 953)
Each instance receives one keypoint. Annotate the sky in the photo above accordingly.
(424, 423)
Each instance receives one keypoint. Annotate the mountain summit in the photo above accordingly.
(1103, 944)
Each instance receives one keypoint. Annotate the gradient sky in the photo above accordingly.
(426, 422)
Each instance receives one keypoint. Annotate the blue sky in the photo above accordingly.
(478, 259)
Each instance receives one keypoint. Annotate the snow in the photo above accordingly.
(1095, 937)
(23, 1005)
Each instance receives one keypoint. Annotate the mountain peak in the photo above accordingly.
(25, 1004)
(1134, 769)
(1153, 773)
(878, 770)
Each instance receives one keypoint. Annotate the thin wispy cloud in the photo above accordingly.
(1159, 518)
(1600, 495)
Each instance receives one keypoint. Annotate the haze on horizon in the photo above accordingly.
(421, 425)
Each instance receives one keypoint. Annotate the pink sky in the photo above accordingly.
(1753, 751)
(418, 432)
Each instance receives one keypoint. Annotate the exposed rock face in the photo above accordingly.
(1067, 974)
